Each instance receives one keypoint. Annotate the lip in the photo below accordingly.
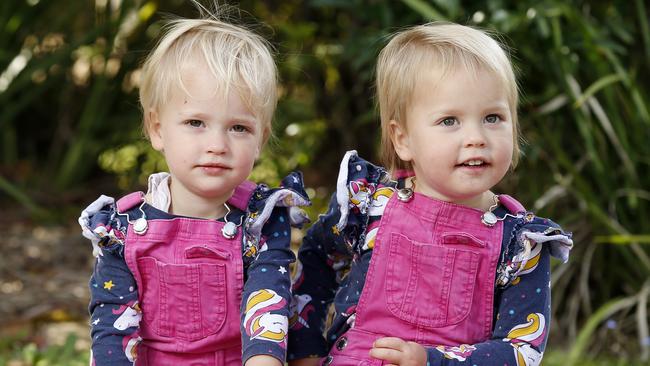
(485, 161)
(213, 168)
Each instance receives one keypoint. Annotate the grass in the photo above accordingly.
(558, 358)
(18, 351)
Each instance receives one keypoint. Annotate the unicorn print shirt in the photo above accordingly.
(333, 267)
(172, 311)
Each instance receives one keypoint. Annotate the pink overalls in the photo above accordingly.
(431, 279)
(190, 280)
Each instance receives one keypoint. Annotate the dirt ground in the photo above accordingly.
(44, 273)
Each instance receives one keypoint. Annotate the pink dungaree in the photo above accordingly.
(190, 281)
(431, 279)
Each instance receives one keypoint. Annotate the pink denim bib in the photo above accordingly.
(190, 281)
(431, 279)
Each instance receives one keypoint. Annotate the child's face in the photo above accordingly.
(210, 141)
(459, 136)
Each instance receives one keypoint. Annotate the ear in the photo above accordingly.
(154, 130)
(399, 137)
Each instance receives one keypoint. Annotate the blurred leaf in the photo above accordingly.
(423, 8)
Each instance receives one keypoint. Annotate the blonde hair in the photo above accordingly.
(444, 47)
(234, 55)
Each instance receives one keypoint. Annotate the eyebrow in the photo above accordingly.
(195, 115)
(499, 106)
(202, 116)
(244, 117)
(454, 111)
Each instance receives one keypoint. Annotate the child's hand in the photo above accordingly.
(263, 360)
(397, 351)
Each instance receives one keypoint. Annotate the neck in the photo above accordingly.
(481, 202)
(185, 203)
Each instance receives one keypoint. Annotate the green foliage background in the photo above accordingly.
(70, 123)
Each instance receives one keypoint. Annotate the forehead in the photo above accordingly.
(459, 85)
(194, 81)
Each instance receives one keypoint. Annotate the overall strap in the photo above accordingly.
(242, 195)
(239, 199)
(129, 201)
(403, 173)
(511, 204)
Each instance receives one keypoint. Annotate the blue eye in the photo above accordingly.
(492, 118)
(194, 123)
(449, 121)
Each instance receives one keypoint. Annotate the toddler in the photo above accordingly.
(195, 271)
(430, 267)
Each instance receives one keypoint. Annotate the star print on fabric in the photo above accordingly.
(96, 322)
(109, 285)
(336, 230)
(282, 270)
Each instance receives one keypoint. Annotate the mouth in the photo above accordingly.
(213, 168)
(474, 163)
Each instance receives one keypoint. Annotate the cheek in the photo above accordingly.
(258, 150)
(508, 146)
(247, 154)
(505, 153)
(250, 159)
(431, 147)
(182, 149)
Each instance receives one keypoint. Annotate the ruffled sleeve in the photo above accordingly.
(547, 232)
(520, 255)
(101, 225)
(358, 179)
(361, 189)
(267, 254)
(114, 310)
(291, 195)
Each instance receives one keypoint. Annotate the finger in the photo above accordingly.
(390, 342)
(386, 354)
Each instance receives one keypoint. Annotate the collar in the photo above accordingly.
(158, 193)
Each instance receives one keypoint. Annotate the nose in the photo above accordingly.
(474, 135)
(216, 142)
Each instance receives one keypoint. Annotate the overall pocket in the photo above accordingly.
(430, 285)
(184, 301)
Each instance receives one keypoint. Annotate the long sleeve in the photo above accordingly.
(267, 290)
(114, 310)
(267, 294)
(522, 322)
(315, 284)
